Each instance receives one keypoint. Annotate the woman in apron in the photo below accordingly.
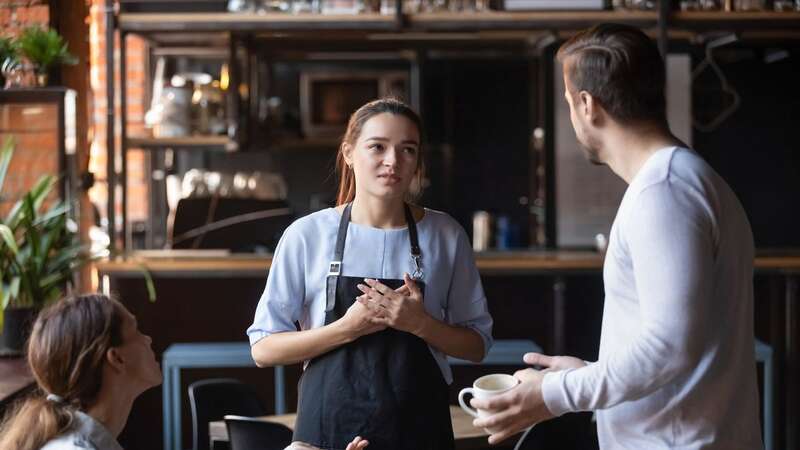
(373, 295)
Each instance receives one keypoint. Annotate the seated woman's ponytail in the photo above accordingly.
(68, 344)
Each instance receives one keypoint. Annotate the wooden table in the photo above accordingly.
(467, 436)
(15, 378)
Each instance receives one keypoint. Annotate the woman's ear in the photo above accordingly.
(114, 359)
(347, 153)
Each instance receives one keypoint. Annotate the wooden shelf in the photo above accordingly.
(221, 143)
(251, 22)
(526, 20)
(166, 27)
(735, 21)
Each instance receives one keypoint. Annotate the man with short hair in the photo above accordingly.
(676, 368)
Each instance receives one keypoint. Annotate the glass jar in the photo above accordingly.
(749, 5)
(786, 5)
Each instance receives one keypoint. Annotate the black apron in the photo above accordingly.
(385, 387)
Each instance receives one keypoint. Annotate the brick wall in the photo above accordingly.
(15, 15)
(135, 84)
(33, 128)
(18, 14)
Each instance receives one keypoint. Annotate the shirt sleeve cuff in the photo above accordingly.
(256, 336)
(487, 341)
(553, 393)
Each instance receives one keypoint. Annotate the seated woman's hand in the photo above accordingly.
(402, 309)
(357, 444)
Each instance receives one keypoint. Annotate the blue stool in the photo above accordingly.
(764, 355)
(203, 355)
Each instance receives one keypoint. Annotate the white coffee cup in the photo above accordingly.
(485, 387)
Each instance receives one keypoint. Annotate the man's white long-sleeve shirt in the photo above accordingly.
(676, 368)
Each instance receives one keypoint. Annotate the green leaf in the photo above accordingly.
(38, 193)
(60, 210)
(52, 280)
(3, 304)
(13, 216)
(8, 237)
(13, 288)
(41, 190)
(148, 281)
(44, 48)
(5, 159)
(32, 236)
(5, 296)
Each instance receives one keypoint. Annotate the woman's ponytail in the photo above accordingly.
(33, 422)
(68, 344)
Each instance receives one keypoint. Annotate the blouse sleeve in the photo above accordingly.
(466, 301)
(281, 304)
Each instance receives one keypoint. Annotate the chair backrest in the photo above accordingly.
(529, 441)
(248, 433)
(249, 224)
(541, 437)
(212, 399)
(561, 432)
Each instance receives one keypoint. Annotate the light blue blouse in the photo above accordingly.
(86, 434)
(295, 290)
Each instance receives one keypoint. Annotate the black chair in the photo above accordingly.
(214, 398)
(237, 224)
(249, 433)
(541, 435)
(571, 431)
(530, 440)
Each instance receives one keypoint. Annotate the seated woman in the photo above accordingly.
(90, 362)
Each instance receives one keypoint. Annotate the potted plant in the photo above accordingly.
(9, 55)
(44, 49)
(39, 252)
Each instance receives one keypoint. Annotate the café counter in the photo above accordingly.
(211, 296)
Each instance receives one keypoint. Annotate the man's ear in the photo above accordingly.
(590, 109)
(114, 359)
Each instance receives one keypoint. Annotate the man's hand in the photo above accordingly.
(515, 410)
(553, 363)
(357, 444)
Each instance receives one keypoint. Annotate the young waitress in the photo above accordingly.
(382, 290)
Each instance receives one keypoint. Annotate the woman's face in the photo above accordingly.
(140, 361)
(384, 158)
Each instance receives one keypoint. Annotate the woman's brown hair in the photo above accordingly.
(347, 180)
(66, 350)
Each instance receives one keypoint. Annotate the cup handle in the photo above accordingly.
(472, 412)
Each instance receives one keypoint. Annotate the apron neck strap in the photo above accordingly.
(342, 235)
(412, 231)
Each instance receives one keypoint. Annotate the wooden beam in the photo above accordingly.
(69, 18)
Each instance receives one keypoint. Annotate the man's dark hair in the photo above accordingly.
(621, 68)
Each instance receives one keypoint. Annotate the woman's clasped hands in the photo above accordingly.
(402, 308)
